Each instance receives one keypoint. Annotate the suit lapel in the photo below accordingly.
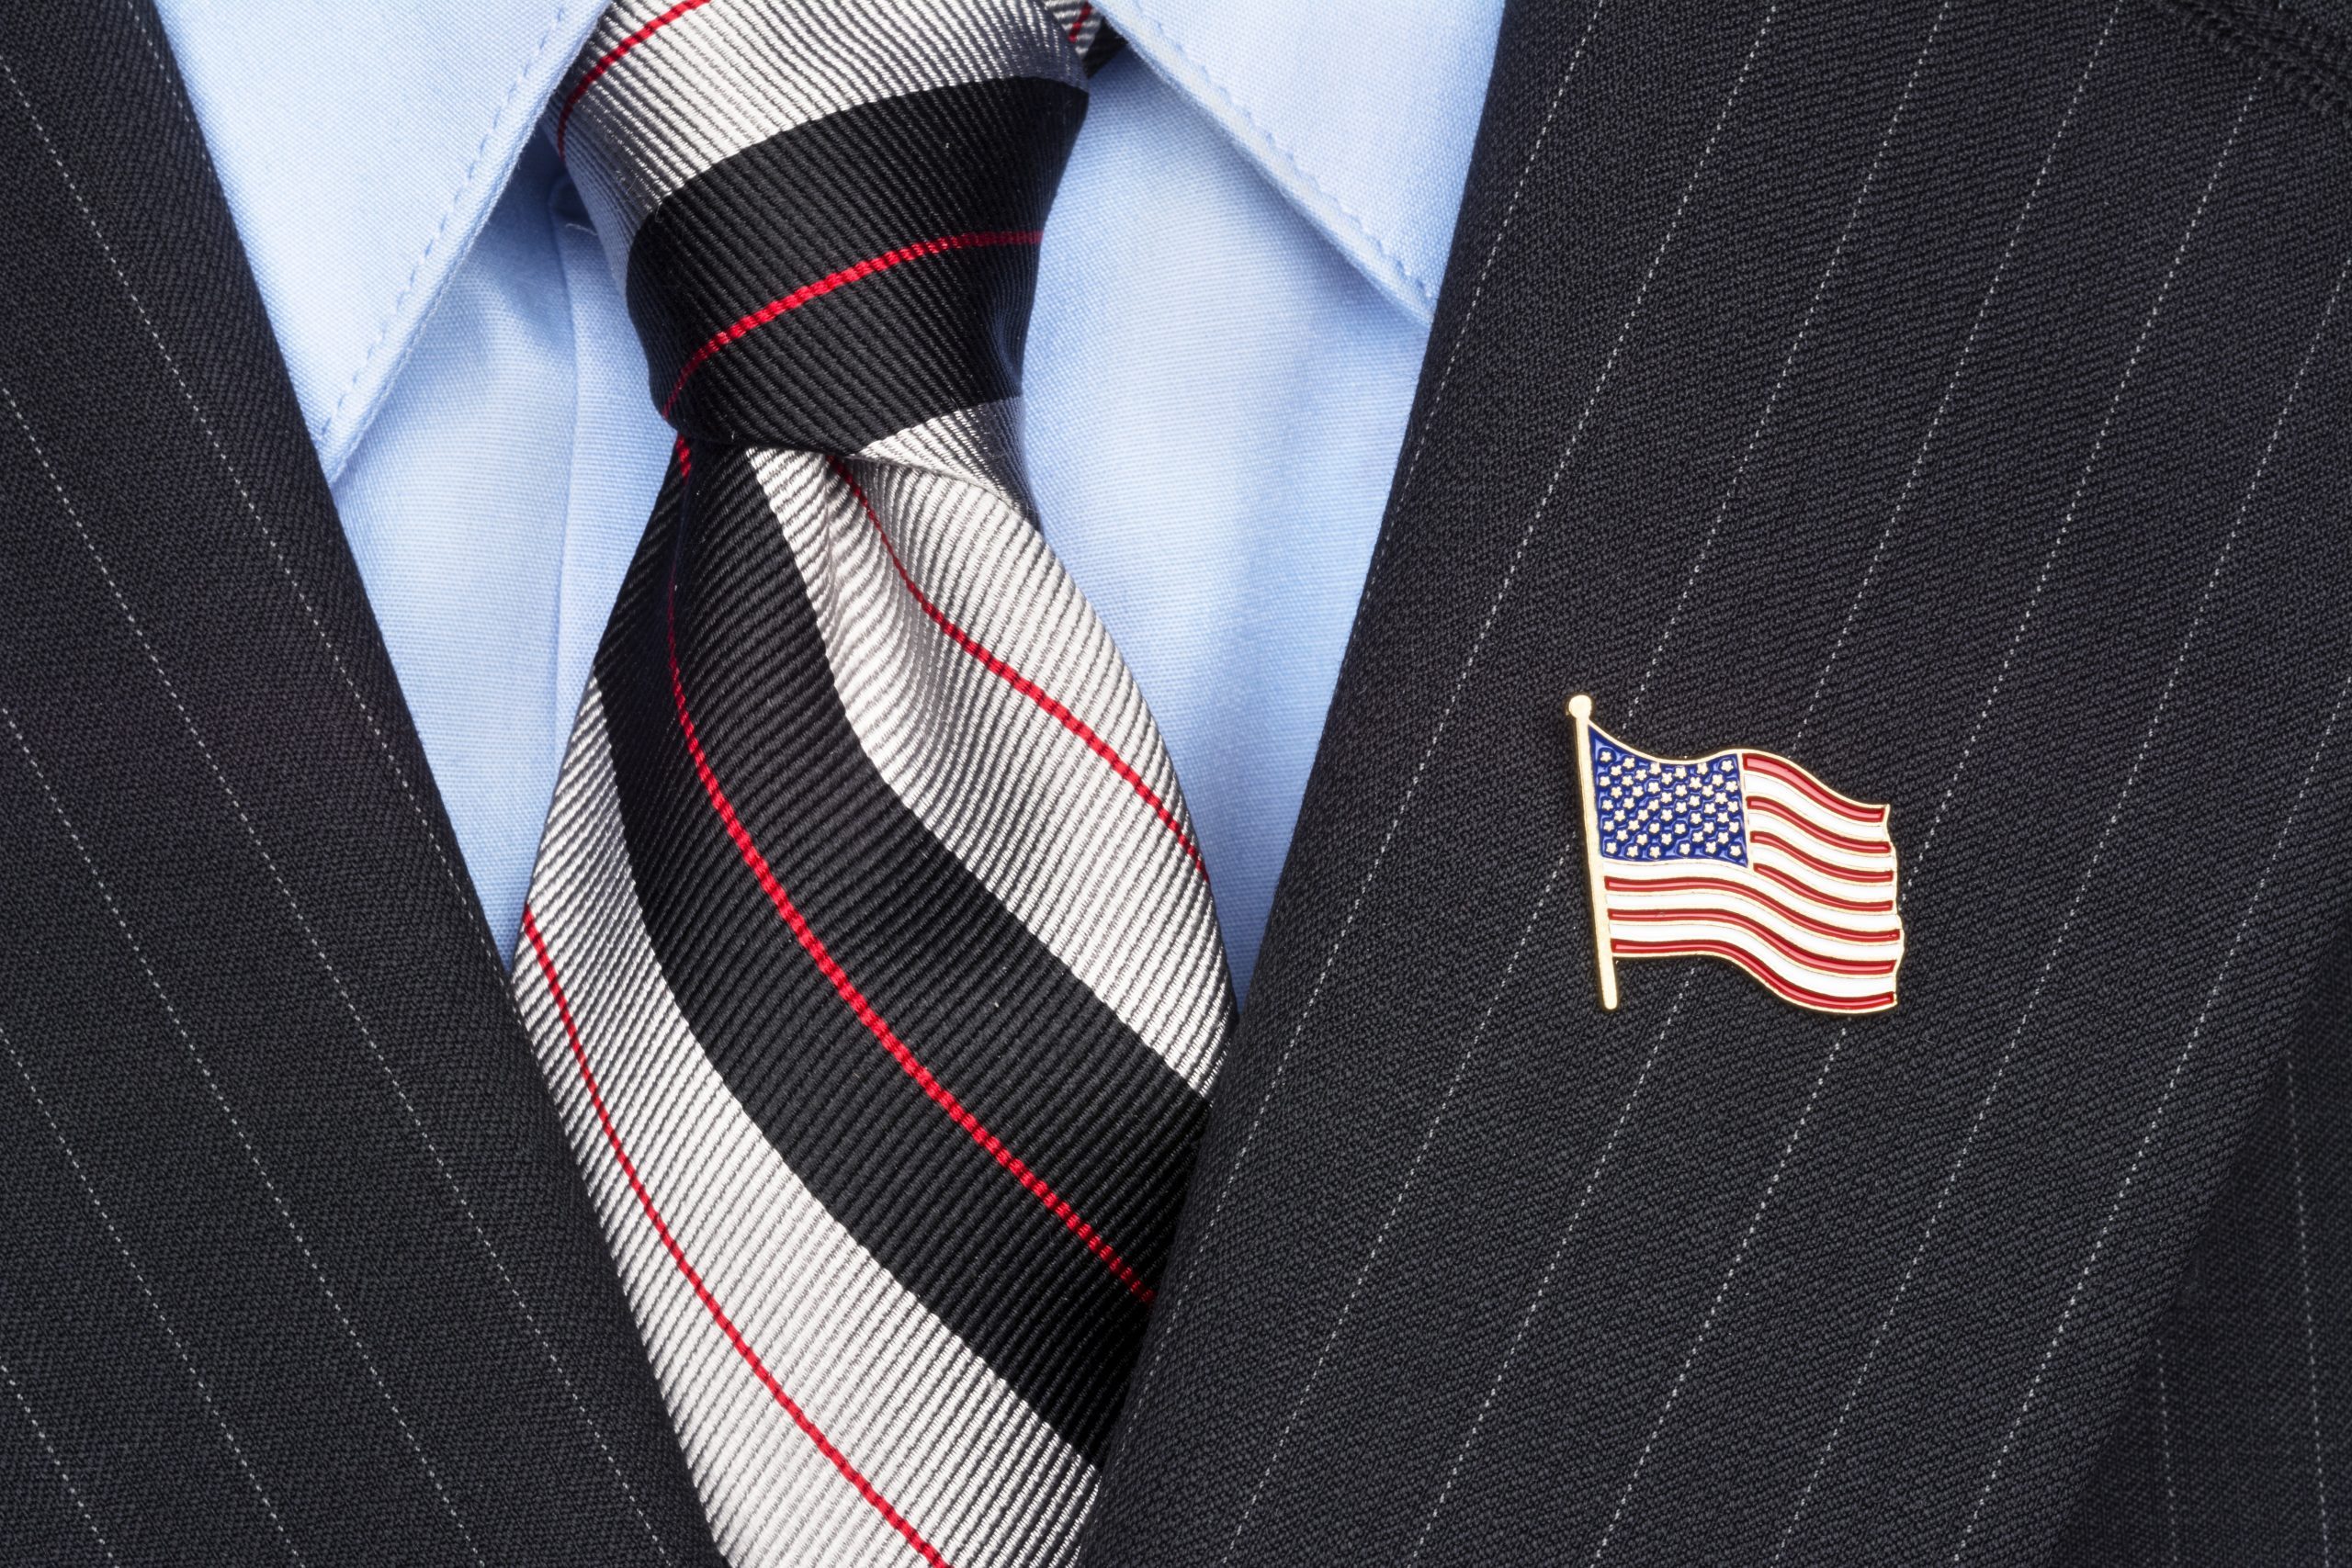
(297, 1264)
(1944, 399)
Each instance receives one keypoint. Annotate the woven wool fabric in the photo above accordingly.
(296, 1265)
(869, 954)
(1950, 398)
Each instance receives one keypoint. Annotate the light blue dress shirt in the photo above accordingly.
(1235, 289)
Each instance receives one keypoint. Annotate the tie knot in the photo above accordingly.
(825, 213)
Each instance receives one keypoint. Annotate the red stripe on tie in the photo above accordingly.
(1820, 794)
(1017, 681)
(1078, 23)
(1719, 885)
(875, 1024)
(1770, 981)
(1839, 841)
(833, 280)
(606, 61)
(1842, 873)
(815, 1434)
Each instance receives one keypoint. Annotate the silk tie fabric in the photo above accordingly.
(868, 953)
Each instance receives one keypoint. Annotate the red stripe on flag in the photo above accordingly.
(702, 1293)
(1762, 933)
(1878, 846)
(1723, 950)
(1723, 884)
(1815, 863)
(1820, 794)
(875, 1024)
(1858, 906)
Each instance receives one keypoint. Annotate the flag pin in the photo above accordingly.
(1740, 855)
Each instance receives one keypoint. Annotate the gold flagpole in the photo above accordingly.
(1580, 710)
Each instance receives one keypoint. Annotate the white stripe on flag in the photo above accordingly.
(1782, 812)
(1637, 898)
(1797, 981)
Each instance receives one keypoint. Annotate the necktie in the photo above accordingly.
(868, 952)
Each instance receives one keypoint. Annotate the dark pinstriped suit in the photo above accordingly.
(1954, 398)
(1951, 396)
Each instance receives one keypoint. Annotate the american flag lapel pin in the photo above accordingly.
(1740, 855)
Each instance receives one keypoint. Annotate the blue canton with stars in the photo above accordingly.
(1650, 809)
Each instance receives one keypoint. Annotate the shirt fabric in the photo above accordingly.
(1234, 294)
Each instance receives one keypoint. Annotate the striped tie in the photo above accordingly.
(868, 952)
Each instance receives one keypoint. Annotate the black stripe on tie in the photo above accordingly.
(1033, 1055)
(1104, 47)
(886, 339)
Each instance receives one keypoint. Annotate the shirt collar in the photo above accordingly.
(360, 157)
(1364, 121)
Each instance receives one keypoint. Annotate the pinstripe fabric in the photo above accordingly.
(1949, 396)
(296, 1265)
(869, 955)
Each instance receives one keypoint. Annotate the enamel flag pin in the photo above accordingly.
(1740, 855)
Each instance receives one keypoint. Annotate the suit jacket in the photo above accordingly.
(1949, 395)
